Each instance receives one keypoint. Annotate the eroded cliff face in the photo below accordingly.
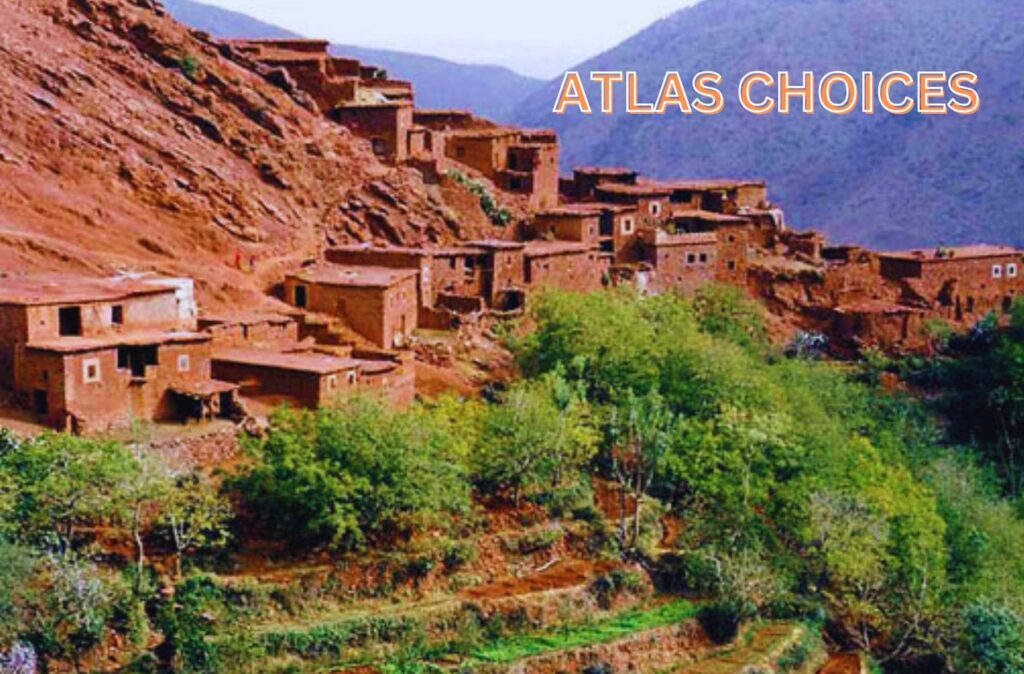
(128, 141)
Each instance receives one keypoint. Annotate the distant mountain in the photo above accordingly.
(491, 91)
(880, 180)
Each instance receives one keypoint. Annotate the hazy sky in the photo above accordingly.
(536, 37)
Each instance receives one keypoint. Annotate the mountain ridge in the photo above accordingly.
(849, 176)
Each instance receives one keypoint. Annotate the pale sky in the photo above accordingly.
(535, 37)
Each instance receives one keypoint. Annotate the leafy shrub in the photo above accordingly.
(189, 66)
(992, 641)
(458, 555)
(343, 476)
(535, 541)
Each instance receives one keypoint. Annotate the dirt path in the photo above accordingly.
(568, 573)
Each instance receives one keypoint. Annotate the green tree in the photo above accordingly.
(539, 433)
(641, 431)
(348, 474)
(62, 481)
(195, 515)
(992, 640)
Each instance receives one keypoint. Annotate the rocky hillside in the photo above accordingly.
(130, 142)
(881, 180)
(490, 91)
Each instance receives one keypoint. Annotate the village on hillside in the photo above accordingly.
(89, 355)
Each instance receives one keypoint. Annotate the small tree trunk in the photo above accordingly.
(140, 561)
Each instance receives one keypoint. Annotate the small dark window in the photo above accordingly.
(515, 184)
(470, 265)
(123, 359)
(301, 297)
(513, 162)
(117, 314)
(41, 402)
(691, 258)
(70, 319)
(452, 263)
(703, 258)
(732, 265)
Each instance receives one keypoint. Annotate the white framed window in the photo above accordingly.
(1011, 270)
(91, 373)
(184, 363)
(352, 378)
(997, 271)
(627, 226)
(655, 208)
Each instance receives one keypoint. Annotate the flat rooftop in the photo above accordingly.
(138, 338)
(639, 190)
(950, 253)
(312, 363)
(658, 237)
(545, 248)
(354, 276)
(604, 171)
(703, 184)
(48, 289)
(709, 216)
(243, 318)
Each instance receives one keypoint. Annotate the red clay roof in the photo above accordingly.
(46, 289)
(103, 342)
(957, 253)
(354, 276)
(314, 363)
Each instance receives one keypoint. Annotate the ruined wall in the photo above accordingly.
(386, 126)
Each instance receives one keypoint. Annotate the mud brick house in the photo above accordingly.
(585, 179)
(564, 265)
(309, 380)
(515, 160)
(718, 196)
(650, 199)
(89, 355)
(679, 261)
(386, 124)
(478, 274)
(612, 226)
(380, 303)
(968, 280)
(877, 323)
(249, 328)
(359, 96)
